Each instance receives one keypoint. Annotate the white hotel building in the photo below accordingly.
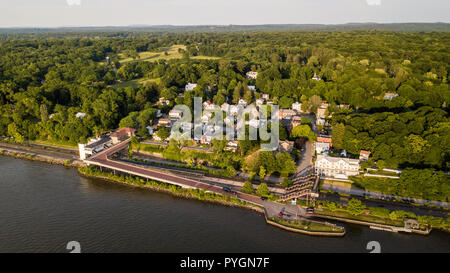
(336, 167)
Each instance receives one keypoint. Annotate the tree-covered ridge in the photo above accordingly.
(418, 138)
(45, 82)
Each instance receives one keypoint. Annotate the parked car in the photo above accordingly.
(226, 189)
(263, 198)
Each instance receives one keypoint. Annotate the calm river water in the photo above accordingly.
(43, 207)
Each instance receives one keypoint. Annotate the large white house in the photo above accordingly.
(336, 167)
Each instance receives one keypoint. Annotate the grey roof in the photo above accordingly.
(102, 141)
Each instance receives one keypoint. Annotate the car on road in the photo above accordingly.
(263, 198)
(310, 210)
(226, 189)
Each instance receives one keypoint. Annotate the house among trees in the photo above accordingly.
(337, 167)
(364, 155)
(251, 75)
(297, 106)
(390, 96)
(80, 115)
(122, 134)
(325, 138)
(265, 96)
(164, 122)
(285, 146)
(286, 113)
(175, 114)
(322, 147)
(295, 121)
(232, 146)
(190, 86)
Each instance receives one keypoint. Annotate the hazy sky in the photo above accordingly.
(54, 13)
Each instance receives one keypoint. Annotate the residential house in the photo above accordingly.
(232, 146)
(265, 96)
(321, 113)
(324, 138)
(251, 75)
(285, 113)
(336, 167)
(295, 121)
(175, 114)
(322, 147)
(390, 96)
(364, 155)
(164, 122)
(252, 88)
(190, 86)
(122, 134)
(297, 106)
(80, 115)
(285, 146)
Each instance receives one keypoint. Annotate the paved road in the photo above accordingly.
(291, 212)
(307, 154)
(101, 159)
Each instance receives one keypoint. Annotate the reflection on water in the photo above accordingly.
(45, 206)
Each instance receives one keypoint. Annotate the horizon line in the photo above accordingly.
(217, 25)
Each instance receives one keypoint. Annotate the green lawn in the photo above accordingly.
(60, 144)
(135, 82)
(307, 225)
(361, 217)
(172, 53)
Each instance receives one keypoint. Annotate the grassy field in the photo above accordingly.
(172, 53)
(338, 183)
(361, 217)
(135, 82)
(55, 144)
(307, 225)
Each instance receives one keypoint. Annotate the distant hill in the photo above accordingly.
(408, 27)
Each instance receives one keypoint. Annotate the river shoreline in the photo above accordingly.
(36, 156)
(33, 154)
(161, 189)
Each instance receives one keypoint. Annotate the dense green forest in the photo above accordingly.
(45, 79)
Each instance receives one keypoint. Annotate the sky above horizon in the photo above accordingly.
(57, 13)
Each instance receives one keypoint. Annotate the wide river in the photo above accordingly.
(43, 207)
